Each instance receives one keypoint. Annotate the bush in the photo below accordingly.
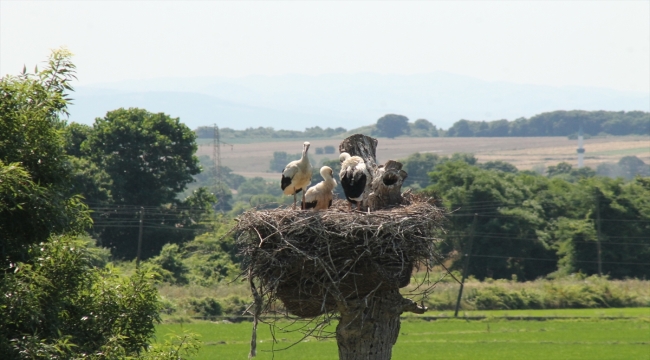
(61, 307)
(235, 305)
(206, 307)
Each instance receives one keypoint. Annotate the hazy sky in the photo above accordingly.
(584, 43)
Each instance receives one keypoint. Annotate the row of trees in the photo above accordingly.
(558, 123)
(529, 225)
(555, 123)
(269, 133)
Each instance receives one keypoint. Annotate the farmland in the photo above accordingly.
(252, 159)
(491, 338)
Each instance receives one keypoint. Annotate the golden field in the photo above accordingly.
(524, 152)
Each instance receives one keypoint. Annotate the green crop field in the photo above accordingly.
(552, 313)
(491, 338)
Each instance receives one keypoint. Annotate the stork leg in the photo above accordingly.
(350, 206)
(294, 201)
(302, 206)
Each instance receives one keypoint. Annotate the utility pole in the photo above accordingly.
(581, 150)
(600, 258)
(216, 157)
(137, 259)
(468, 254)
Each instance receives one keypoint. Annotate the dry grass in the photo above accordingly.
(525, 153)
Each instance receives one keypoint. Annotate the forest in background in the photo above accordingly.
(555, 123)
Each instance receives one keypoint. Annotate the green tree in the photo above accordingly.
(423, 128)
(508, 236)
(75, 134)
(559, 123)
(499, 166)
(35, 202)
(55, 302)
(60, 306)
(559, 169)
(150, 157)
(392, 125)
(281, 159)
(90, 181)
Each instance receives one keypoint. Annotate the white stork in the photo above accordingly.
(296, 176)
(354, 178)
(319, 196)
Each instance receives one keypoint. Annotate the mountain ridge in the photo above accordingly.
(295, 102)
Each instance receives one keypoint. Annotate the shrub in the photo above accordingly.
(206, 307)
(235, 305)
(60, 306)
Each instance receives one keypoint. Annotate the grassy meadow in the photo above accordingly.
(593, 331)
(490, 338)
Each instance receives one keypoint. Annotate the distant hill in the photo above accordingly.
(296, 102)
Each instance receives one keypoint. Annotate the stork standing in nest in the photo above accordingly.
(319, 196)
(354, 178)
(296, 176)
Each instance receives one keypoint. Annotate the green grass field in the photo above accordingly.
(491, 338)
(593, 313)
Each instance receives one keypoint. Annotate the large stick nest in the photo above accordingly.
(315, 261)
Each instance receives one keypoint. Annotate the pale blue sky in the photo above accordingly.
(583, 43)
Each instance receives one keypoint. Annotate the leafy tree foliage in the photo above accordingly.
(60, 307)
(281, 159)
(529, 225)
(627, 167)
(392, 125)
(268, 132)
(34, 177)
(75, 134)
(90, 181)
(418, 166)
(207, 260)
(30, 213)
(30, 110)
(423, 128)
(558, 123)
(500, 202)
(150, 157)
(499, 166)
(134, 161)
(566, 171)
(56, 302)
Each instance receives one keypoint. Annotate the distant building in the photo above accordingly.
(581, 150)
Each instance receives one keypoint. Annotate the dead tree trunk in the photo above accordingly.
(369, 325)
(368, 329)
(386, 186)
